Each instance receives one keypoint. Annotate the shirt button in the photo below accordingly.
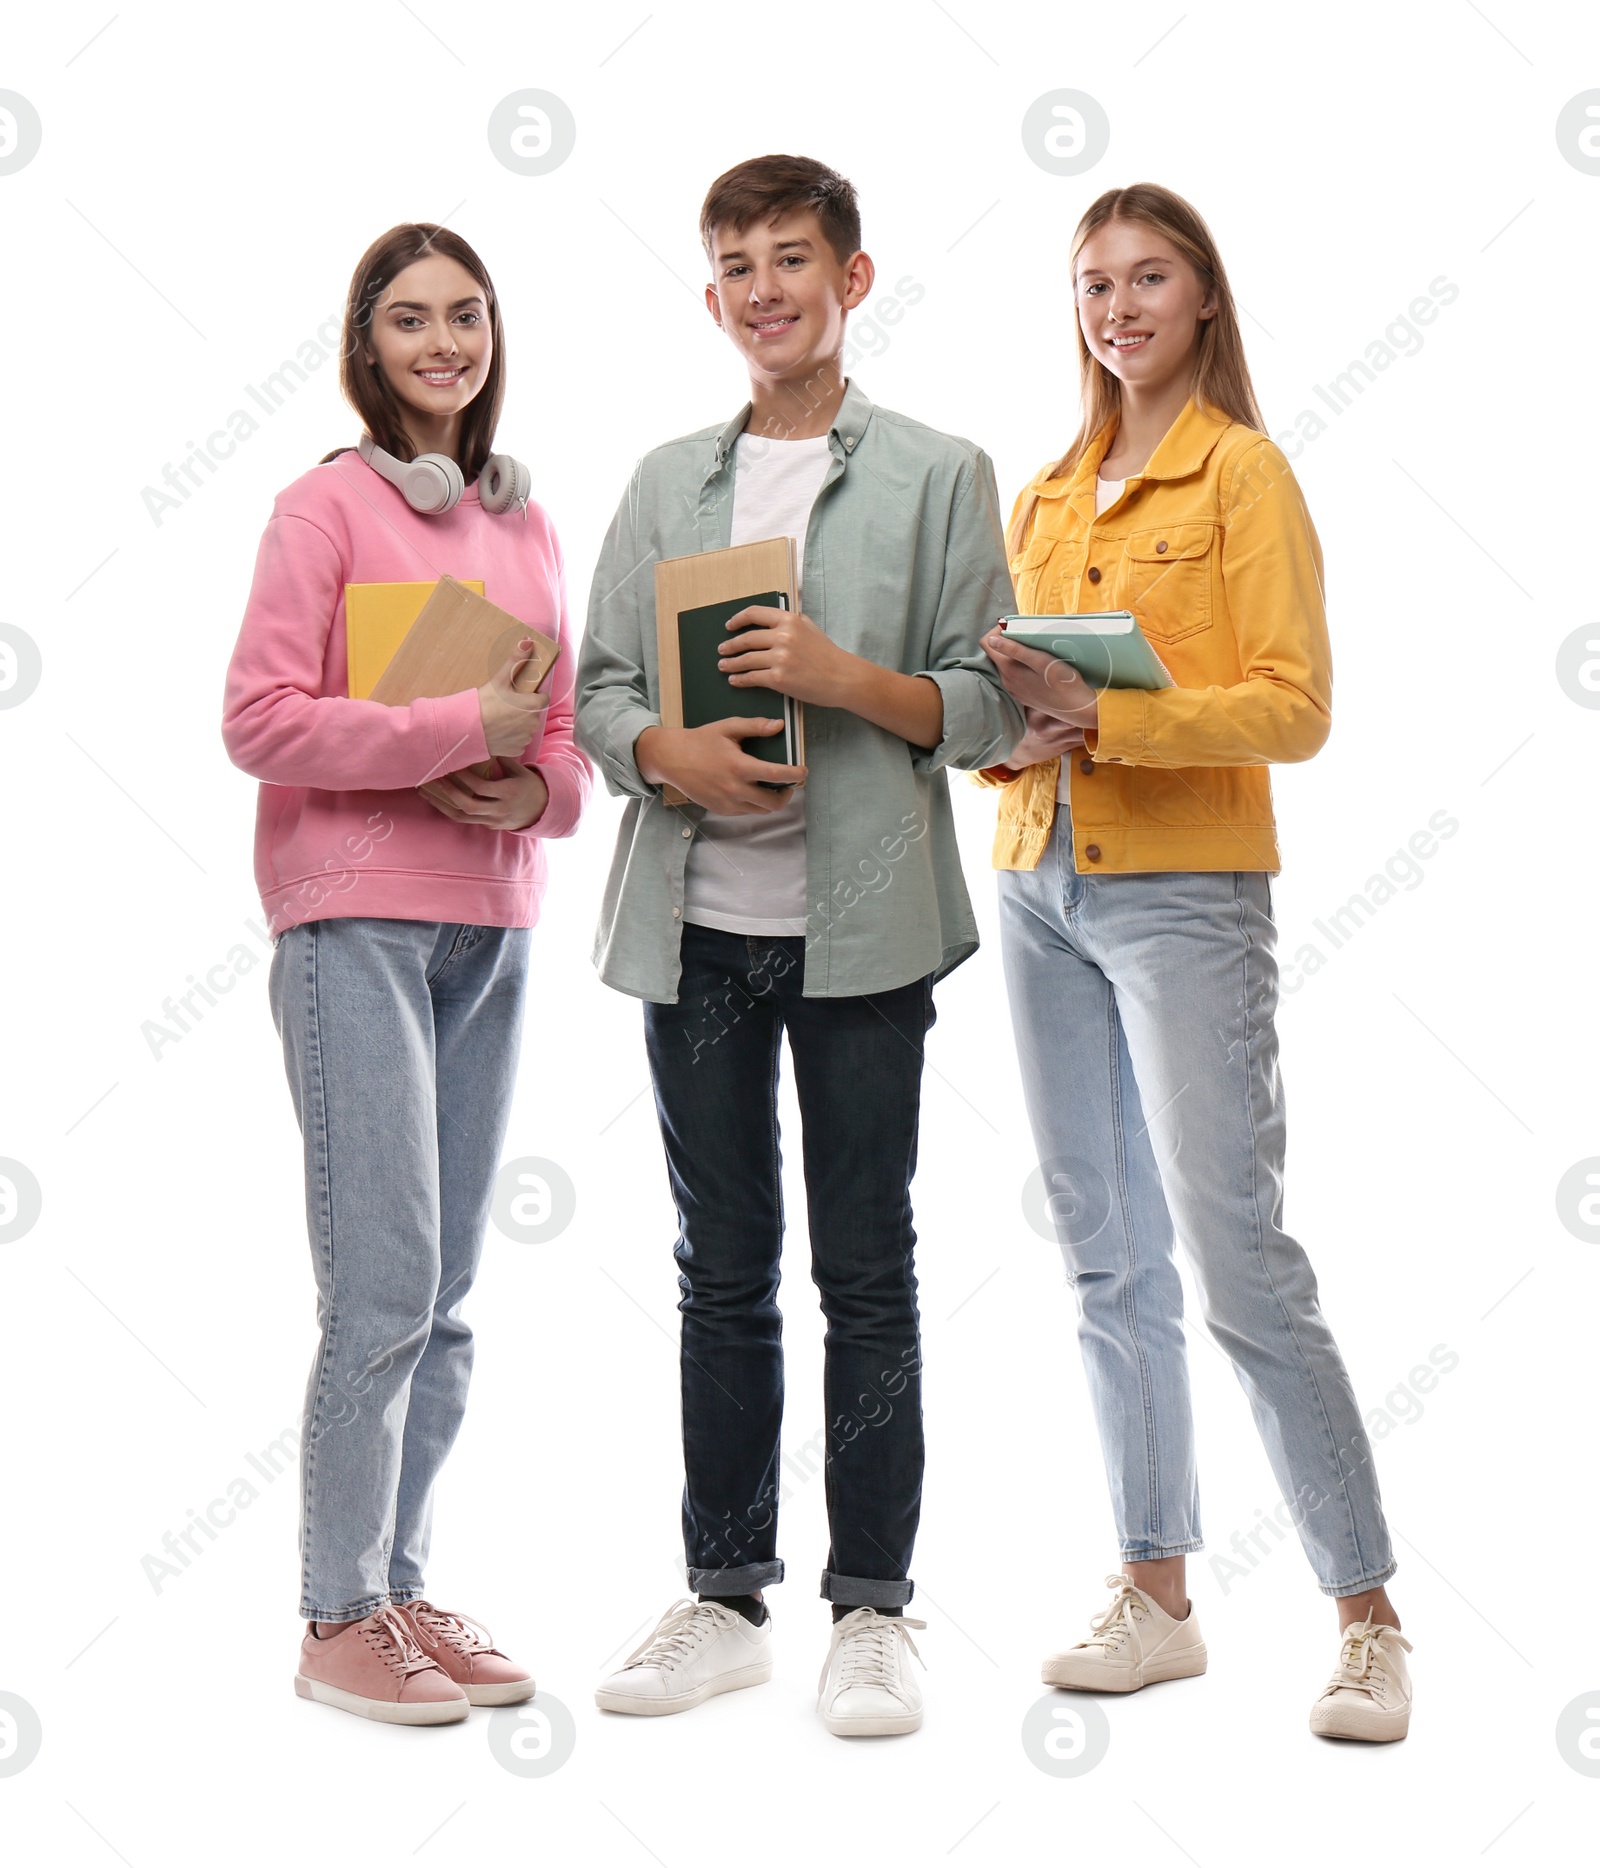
(687, 831)
(1094, 573)
(849, 441)
(1092, 851)
(1161, 544)
(676, 912)
(1086, 765)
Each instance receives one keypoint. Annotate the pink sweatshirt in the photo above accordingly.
(340, 827)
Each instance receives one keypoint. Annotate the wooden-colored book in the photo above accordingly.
(460, 639)
(376, 618)
(690, 589)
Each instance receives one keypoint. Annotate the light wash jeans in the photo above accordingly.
(1143, 1009)
(401, 1040)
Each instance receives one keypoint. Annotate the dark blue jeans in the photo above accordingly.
(858, 1075)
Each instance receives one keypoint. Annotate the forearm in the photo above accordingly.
(909, 706)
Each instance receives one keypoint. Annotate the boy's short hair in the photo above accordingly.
(768, 187)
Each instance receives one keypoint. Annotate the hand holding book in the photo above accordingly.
(708, 765)
(513, 717)
(1042, 682)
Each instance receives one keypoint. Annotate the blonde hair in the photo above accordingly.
(1221, 380)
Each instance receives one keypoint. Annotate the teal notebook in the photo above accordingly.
(709, 695)
(1107, 647)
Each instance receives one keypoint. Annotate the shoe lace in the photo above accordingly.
(871, 1644)
(679, 1632)
(389, 1637)
(1114, 1624)
(441, 1627)
(1360, 1657)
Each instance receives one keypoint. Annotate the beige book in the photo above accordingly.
(704, 578)
(458, 641)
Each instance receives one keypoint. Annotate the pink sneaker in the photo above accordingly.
(375, 1669)
(464, 1651)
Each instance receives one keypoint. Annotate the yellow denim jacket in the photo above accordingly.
(1213, 550)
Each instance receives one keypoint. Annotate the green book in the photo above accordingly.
(709, 695)
(1107, 647)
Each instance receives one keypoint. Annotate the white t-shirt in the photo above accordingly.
(1105, 491)
(747, 875)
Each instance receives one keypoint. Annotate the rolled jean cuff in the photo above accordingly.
(1362, 1584)
(358, 1612)
(866, 1592)
(744, 1581)
(1158, 1553)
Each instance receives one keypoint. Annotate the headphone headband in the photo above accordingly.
(434, 483)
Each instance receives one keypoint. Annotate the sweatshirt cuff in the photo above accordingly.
(560, 816)
(1119, 739)
(457, 722)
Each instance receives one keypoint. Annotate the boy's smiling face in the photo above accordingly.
(781, 293)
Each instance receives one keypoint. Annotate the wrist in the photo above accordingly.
(644, 749)
(848, 681)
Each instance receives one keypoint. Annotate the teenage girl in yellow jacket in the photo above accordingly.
(1135, 844)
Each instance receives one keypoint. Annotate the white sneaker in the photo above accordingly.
(1369, 1695)
(865, 1690)
(1133, 1642)
(696, 1649)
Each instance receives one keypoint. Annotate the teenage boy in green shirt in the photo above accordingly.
(825, 911)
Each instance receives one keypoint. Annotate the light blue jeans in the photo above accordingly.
(401, 1040)
(1143, 1010)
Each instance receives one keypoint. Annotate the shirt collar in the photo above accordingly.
(844, 433)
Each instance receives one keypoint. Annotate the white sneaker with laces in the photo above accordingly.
(697, 1649)
(1369, 1695)
(1132, 1642)
(866, 1690)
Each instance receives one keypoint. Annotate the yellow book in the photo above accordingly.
(376, 619)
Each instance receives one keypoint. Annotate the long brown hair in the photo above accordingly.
(364, 385)
(1221, 379)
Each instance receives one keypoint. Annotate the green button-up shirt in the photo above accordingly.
(904, 565)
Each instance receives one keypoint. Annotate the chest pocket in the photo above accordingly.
(1167, 575)
(1030, 572)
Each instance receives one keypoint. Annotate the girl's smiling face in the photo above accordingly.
(1140, 303)
(430, 337)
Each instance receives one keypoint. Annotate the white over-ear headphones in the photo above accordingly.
(434, 483)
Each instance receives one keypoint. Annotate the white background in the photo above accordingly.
(207, 179)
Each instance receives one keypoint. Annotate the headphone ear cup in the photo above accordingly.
(504, 483)
(431, 483)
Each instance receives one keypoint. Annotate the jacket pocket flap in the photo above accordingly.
(1163, 544)
(1033, 554)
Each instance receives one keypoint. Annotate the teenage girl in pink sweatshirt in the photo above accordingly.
(401, 889)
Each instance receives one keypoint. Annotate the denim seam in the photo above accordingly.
(316, 1078)
(1129, 1308)
(1255, 1207)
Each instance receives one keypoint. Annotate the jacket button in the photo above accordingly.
(1161, 544)
(1086, 765)
(1092, 851)
(1094, 572)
